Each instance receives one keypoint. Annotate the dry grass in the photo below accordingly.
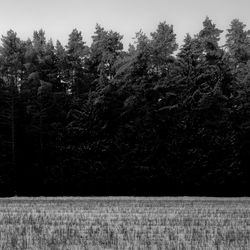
(124, 223)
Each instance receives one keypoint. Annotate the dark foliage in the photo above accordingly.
(98, 120)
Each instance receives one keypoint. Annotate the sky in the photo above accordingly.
(59, 17)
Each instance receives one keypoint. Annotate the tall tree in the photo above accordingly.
(209, 35)
(163, 45)
(11, 68)
(104, 51)
(76, 54)
(238, 42)
(61, 64)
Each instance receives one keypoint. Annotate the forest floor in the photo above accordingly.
(124, 223)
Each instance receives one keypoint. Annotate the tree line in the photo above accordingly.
(156, 119)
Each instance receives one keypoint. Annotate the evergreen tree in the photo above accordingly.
(104, 51)
(76, 55)
(61, 64)
(209, 36)
(163, 45)
(11, 69)
(238, 43)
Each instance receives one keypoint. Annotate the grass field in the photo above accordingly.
(124, 223)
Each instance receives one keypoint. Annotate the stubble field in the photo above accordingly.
(125, 223)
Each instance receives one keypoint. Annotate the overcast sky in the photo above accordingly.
(59, 17)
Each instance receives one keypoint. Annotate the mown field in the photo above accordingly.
(124, 223)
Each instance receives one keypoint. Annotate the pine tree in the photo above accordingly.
(188, 60)
(61, 64)
(238, 43)
(104, 52)
(11, 69)
(76, 54)
(209, 36)
(163, 44)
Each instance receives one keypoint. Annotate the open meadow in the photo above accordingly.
(124, 223)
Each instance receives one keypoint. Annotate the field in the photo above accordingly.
(125, 223)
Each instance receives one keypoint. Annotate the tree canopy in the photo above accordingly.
(157, 119)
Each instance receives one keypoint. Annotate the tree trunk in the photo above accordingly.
(13, 145)
(41, 138)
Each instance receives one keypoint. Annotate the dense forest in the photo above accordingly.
(156, 119)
